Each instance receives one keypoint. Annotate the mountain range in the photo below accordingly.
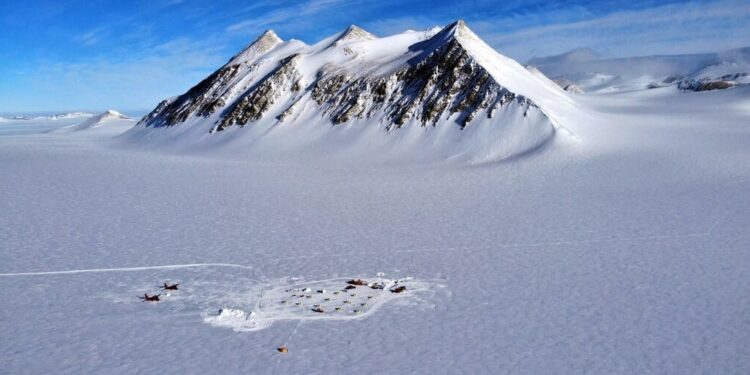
(441, 91)
(585, 70)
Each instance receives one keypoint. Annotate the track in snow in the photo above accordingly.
(127, 269)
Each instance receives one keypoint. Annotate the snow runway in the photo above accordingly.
(127, 269)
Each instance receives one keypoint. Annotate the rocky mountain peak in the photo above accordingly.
(264, 43)
(353, 32)
(455, 30)
(458, 25)
(268, 36)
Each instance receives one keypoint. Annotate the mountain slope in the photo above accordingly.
(482, 104)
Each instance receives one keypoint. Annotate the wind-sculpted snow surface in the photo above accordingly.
(626, 254)
(446, 79)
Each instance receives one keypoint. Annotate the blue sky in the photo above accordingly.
(92, 54)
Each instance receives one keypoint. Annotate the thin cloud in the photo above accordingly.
(137, 82)
(142, 54)
(284, 14)
(90, 38)
(390, 26)
(675, 28)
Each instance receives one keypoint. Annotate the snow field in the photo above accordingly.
(624, 252)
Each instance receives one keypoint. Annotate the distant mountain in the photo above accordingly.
(485, 104)
(67, 115)
(576, 56)
(60, 116)
(695, 72)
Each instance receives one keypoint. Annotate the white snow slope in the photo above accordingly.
(109, 118)
(437, 94)
(624, 252)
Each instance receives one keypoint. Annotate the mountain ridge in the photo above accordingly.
(423, 79)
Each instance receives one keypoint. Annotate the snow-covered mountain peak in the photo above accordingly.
(268, 36)
(353, 32)
(264, 43)
(458, 26)
(456, 34)
(111, 113)
(457, 29)
(101, 118)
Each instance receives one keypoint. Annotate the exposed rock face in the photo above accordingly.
(446, 81)
(701, 84)
(704, 85)
(440, 81)
(255, 102)
(573, 88)
(263, 44)
(202, 100)
(208, 96)
(671, 80)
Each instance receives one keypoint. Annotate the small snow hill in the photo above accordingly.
(109, 118)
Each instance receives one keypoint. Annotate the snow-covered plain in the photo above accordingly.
(624, 251)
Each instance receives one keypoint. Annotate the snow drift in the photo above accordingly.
(438, 93)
